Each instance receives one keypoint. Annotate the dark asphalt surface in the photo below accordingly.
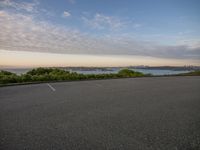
(161, 113)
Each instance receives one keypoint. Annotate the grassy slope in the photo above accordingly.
(192, 73)
(54, 74)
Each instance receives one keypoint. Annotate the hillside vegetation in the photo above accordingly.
(55, 74)
(192, 73)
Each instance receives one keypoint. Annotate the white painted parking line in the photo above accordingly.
(51, 87)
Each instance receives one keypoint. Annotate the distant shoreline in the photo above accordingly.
(155, 70)
(189, 67)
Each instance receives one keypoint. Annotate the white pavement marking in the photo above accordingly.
(51, 87)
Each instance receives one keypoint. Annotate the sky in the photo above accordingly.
(99, 33)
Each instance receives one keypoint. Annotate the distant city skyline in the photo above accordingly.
(99, 33)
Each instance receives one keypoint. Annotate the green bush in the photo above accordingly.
(8, 77)
(43, 71)
(26, 78)
(6, 73)
(129, 73)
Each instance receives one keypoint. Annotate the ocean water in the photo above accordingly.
(98, 71)
(161, 71)
(145, 71)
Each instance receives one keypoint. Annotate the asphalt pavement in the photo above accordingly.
(151, 113)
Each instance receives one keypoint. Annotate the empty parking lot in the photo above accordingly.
(160, 113)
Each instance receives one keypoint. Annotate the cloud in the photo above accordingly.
(66, 14)
(113, 23)
(26, 6)
(136, 25)
(30, 34)
(72, 1)
(100, 21)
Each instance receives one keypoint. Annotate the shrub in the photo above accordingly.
(6, 73)
(9, 78)
(129, 73)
